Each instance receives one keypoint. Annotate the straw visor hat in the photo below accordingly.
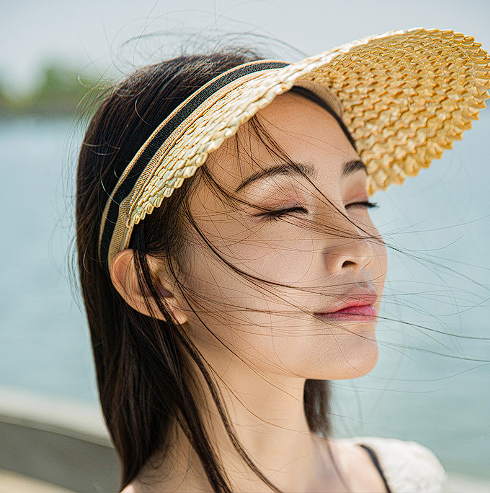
(405, 96)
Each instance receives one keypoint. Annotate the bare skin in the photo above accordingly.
(271, 341)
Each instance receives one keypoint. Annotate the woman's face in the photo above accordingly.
(301, 237)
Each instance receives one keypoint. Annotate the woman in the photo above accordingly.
(229, 266)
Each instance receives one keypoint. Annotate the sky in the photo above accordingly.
(94, 36)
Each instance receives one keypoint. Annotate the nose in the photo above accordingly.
(349, 248)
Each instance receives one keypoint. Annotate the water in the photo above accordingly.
(440, 221)
(44, 344)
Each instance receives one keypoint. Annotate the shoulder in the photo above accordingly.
(407, 466)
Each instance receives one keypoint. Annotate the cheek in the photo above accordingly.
(241, 275)
(236, 302)
(228, 252)
(276, 252)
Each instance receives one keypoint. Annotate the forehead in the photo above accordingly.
(291, 125)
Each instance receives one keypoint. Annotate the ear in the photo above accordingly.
(124, 279)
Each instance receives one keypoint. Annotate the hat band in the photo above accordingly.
(113, 215)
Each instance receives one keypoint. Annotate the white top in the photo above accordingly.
(407, 466)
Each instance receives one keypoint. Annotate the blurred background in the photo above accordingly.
(432, 381)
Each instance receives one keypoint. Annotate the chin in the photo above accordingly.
(359, 364)
(351, 360)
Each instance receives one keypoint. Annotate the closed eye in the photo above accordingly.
(365, 204)
(280, 213)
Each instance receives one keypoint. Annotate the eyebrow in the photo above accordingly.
(353, 166)
(300, 169)
(281, 169)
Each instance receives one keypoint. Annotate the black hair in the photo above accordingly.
(144, 375)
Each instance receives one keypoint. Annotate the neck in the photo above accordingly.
(266, 412)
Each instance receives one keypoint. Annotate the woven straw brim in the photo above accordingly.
(406, 96)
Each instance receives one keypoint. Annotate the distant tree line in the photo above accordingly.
(60, 91)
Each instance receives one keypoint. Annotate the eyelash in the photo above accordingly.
(366, 203)
(280, 213)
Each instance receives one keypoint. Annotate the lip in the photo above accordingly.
(356, 304)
